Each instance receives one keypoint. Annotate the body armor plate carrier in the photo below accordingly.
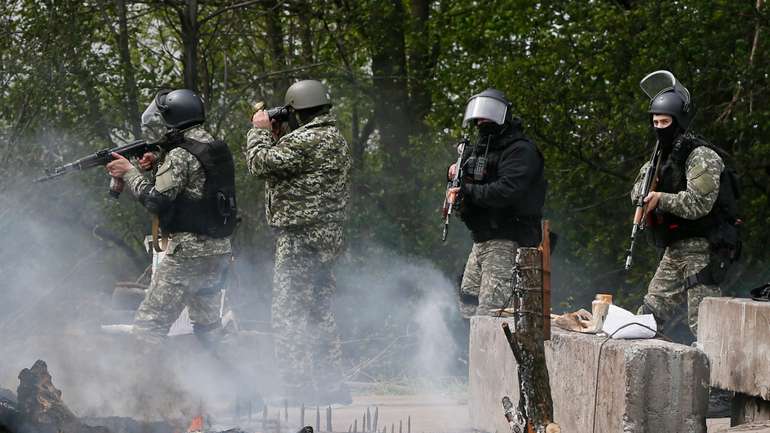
(214, 214)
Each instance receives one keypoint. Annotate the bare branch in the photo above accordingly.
(739, 87)
(238, 6)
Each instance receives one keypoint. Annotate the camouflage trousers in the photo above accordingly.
(667, 289)
(182, 281)
(307, 346)
(535, 402)
(488, 277)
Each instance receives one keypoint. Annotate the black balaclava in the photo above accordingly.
(489, 131)
(666, 136)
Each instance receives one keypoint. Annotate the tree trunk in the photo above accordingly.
(389, 78)
(129, 79)
(277, 52)
(190, 39)
(421, 60)
(306, 32)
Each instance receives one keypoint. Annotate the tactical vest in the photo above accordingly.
(520, 222)
(215, 213)
(718, 226)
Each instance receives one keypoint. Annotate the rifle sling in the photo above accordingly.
(158, 246)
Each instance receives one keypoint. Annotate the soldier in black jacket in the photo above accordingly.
(501, 201)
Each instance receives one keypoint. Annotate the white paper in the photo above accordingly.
(618, 317)
(118, 329)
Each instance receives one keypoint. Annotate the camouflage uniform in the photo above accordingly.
(503, 211)
(192, 272)
(307, 174)
(488, 276)
(685, 257)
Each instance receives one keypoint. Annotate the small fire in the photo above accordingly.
(196, 425)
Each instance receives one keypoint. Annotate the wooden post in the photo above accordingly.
(400, 426)
(329, 419)
(355, 425)
(409, 424)
(368, 420)
(545, 252)
(302, 415)
(317, 419)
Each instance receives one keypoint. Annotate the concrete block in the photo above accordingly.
(760, 427)
(734, 334)
(748, 409)
(644, 385)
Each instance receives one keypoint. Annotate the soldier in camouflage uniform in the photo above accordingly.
(307, 175)
(682, 212)
(501, 201)
(179, 193)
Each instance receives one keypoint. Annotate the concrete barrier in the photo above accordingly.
(735, 334)
(643, 385)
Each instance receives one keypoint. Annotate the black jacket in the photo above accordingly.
(508, 202)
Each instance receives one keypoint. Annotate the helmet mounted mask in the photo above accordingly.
(490, 105)
(668, 96)
(153, 126)
(172, 109)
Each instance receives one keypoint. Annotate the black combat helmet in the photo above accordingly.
(181, 108)
(171, 109)
(491, 104)
(672, 103)
(668, 96)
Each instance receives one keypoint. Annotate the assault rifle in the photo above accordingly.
(453, 183)
(649, 182)
(99, 158)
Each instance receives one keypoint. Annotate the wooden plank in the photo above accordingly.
(545, 252)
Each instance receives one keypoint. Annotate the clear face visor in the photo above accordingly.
(153, 126)
(483, 107)
(658, 82)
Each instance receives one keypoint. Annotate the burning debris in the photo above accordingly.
(39, 407)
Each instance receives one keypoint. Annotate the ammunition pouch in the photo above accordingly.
(725, 249)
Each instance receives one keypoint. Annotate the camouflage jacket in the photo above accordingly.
(179, 172)
(307, 173)
(703, 168)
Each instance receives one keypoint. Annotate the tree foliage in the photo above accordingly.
(75, 75)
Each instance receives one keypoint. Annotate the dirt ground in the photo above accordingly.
(425, 413)
(429, 414)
